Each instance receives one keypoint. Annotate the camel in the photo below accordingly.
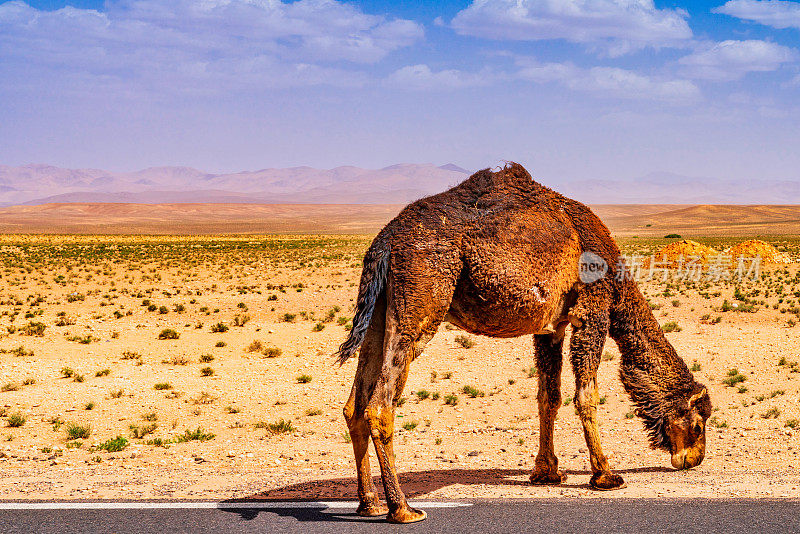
(501, 255)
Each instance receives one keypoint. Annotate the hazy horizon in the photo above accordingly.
(396, 184)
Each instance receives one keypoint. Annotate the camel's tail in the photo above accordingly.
(373, 282)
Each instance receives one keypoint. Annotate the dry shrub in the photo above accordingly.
(687, 248)
(755, 247)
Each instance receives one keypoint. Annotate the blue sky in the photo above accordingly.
(574, 89)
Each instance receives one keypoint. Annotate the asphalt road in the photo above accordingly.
(583, 515)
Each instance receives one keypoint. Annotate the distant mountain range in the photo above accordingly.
(396, 184)
(671, 188)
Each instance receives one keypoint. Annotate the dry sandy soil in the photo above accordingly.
(103, 302)
(644, 220)
(194, 219)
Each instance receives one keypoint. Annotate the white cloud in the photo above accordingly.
(609, 82)
(201, 42)
(731, 60)
(617, 26)
(421, 77)
(603, 82)
(776, 13)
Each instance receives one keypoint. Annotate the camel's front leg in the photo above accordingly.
(586, 346)
(548, 362)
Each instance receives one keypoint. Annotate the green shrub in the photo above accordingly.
(733, 378)
(114, 445)
(713, 421)
(411, 425)
(139, 432)
(83, 340)
(472, 391)
(465, 341)
(272, 352)
(76, 431)
(280, 427)
(168, 333)
(772, 413)
(255, 346)
(16, 419)
(194, 435)
(671, 326)
(34, 329)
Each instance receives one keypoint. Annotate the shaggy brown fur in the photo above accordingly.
(498, 255)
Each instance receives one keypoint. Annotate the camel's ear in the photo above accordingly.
(697, 397)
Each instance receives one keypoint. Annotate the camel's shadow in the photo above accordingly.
(414, 483)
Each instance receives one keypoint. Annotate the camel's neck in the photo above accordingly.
(640, 338)
(652, 372)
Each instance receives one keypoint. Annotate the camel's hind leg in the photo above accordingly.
(409, 326)
(548, 362)
(369, 368)
(586, 346)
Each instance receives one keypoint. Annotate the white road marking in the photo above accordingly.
(261, 505)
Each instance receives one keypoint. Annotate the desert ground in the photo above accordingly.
(200, 367)
(625, 220)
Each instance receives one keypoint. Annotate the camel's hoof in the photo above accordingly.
(607, 482)
(372, 509)
(548, 478)
(406, 515)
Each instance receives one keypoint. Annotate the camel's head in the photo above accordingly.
(686, 429)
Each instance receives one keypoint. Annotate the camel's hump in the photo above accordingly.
(506, 189)
(512, 175)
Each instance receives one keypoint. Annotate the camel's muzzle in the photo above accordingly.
(688, 458)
